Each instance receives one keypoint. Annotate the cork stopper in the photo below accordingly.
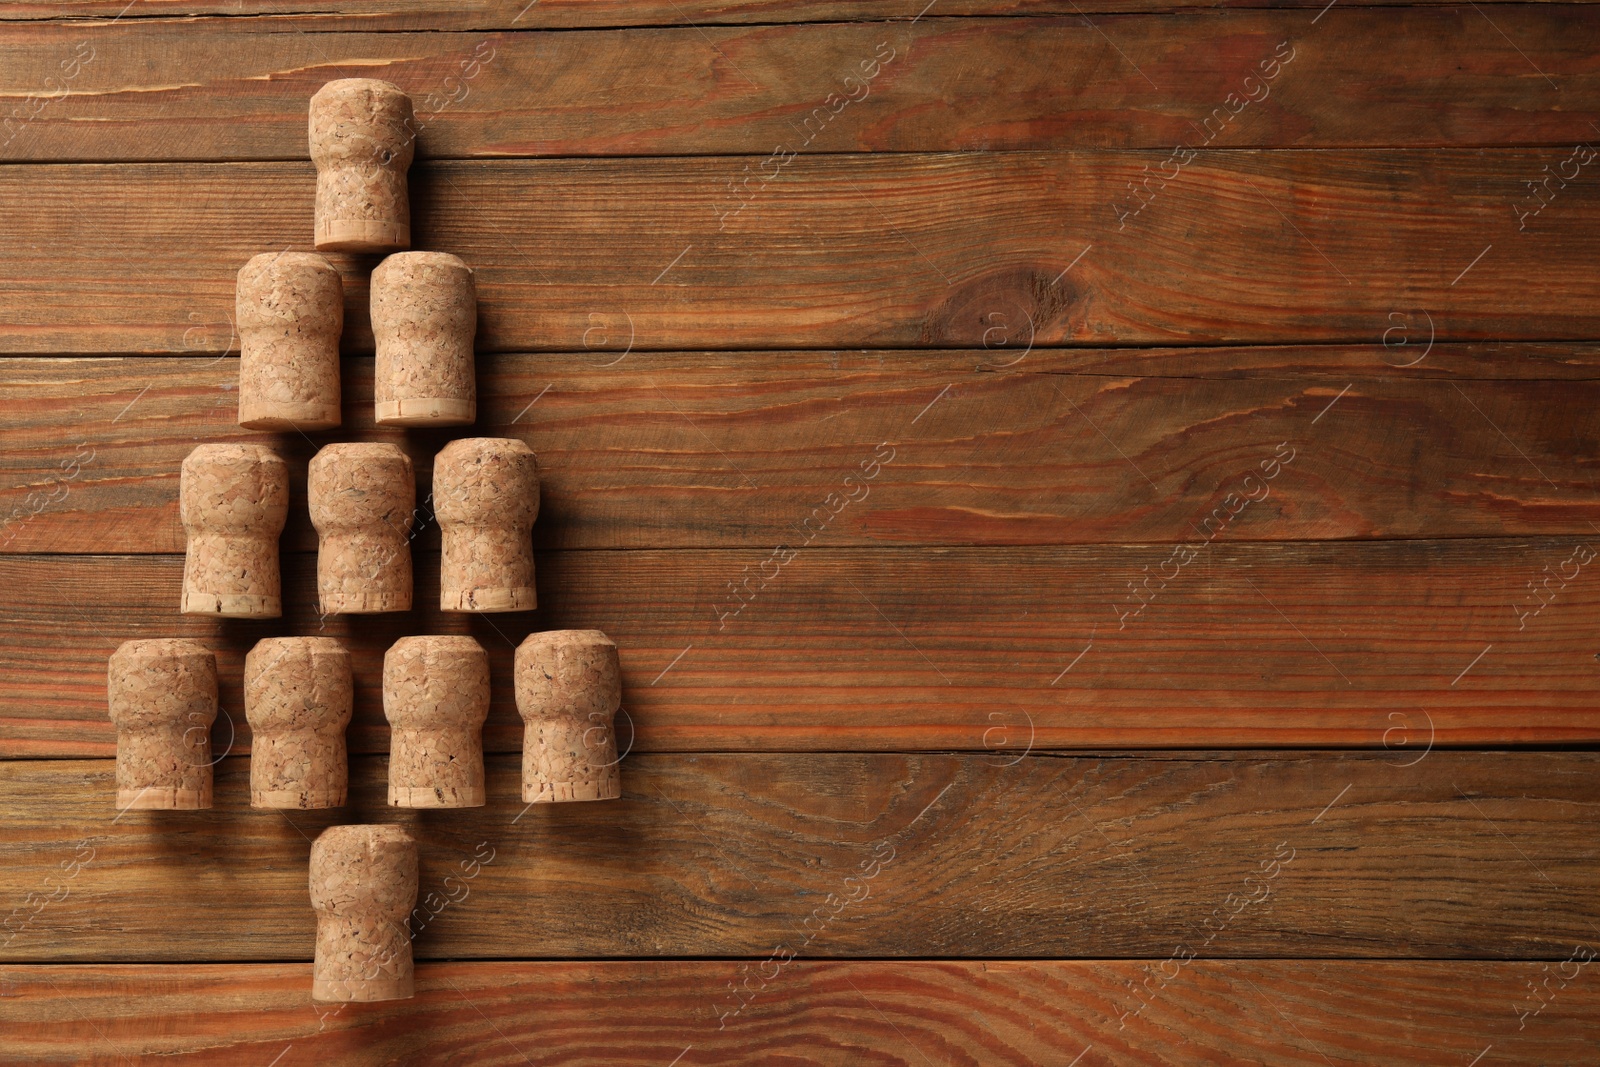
(362, 140)
(569, 687)
(362, 499)
(163, 700)
(486, 496)
(298, 697)
(436, 696)
(290, 308)
(424, 319)
(363, 887)
(233, 500)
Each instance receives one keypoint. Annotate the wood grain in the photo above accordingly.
(736, 450)
(220, 90)
(879, 251)
(711, 855)
(894, 1014)
(1338, 643)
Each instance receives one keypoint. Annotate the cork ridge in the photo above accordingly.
(436, 696)
(298, 697)
(162, 698)
(362, 497)
(424, 321)
(569, 687)
(233, 500)
(290, 312)
(486, 497)
(362, 135)
(363, 887)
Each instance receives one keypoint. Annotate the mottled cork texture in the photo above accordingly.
(362, 499)
(363, 887)
(486, 496)
(569, 687)
(290, 312)
(233, 500)
(436, 696)
(424, 320)
(362, 139)
(298, 697)
(163, 699)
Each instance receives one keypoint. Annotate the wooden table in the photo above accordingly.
(1096, 502)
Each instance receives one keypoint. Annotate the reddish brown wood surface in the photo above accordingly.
(882, 251)
(1383, 855)
(1362, 644)
(1018, 1013)
(158, 89)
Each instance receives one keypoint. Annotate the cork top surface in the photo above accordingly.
(149, 649)
(299, 291)
(439, 644)
(436, 681)
(567, 673)
(361, 483)
(367, 865)
(488, 481)
(362, 121)
(162, 681)
(556, 640)
(237, 486)
(402, 267)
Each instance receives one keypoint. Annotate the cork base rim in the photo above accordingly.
(572, 792)
(289, 417)
(426, 411)
(363, 990)
(425, 797)
(364, 603)
(163, 798)
(362, 235)
(297, 798)
(231, 605)
(491, 598)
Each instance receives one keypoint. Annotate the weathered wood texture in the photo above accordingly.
(151, 90)
(1363, 644)
(891, 1014)
(1339, 855)
(735, 450)
(880, 251)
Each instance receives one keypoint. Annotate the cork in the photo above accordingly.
(290, 311)
(436, 696)
(362, 498)
(298, 697)
(363, 887)
(362, 141)
(233, 500)
(163, 700)
(569, 687)
(486, 496)
(424, 319)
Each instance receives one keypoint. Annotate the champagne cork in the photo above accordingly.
(486, 496)
(363, 887)
(163, 700)
(436, 696)
(569, 687)
(362, 140)
(233, 500)
(424, 319)
(290, 310)
(362, 500)
(298, 697)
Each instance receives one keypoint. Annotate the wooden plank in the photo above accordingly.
(1398, 643)
(733, 450)
(151, 90)
(1348, 855)
(880, 251)
(1016, 1012)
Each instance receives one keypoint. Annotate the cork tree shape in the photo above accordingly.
(362, 140)
(233, 500)
(298, 697)
(424, 321)
(486, 496)
(362, 498)
(569, 687)
(363, 887)
(162, 696)
(436, 696)
(290, 312)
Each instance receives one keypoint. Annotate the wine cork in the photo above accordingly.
(363, 887)
(298, 697)
(436, 696)
(362, 499)
(163, 700)
(569, 687)
(290, 311)
(486, 496)
(362, 140)
(424, 319)
(233, 500)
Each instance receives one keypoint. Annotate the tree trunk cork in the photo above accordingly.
(233, 500)
(163, 700)
(363, 887)
(424, 319)
(436, 696)
(362, 498)
(569, 687)
(298, 697)
(362, 139)
(486, 496)
(290, 311)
